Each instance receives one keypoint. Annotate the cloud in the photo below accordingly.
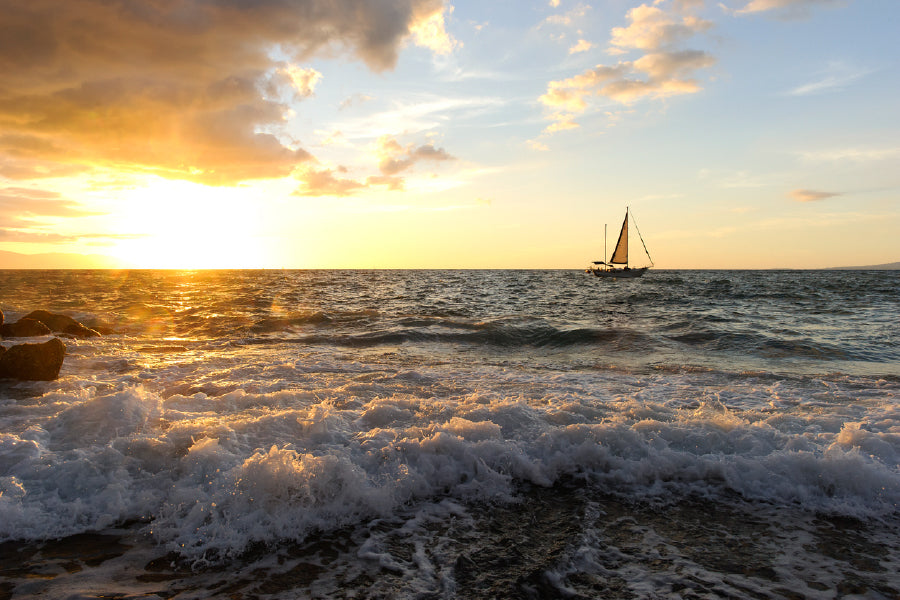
(573, 16)
(355, 100)
(857, 155)
(34, 237)
(561, 125)
(322, 182)
(811, 195)
(334, 138)
(303, 80)
(785, 8)
(430, 33)
(29, 215)
(417, 113)
(837, 76)
(687, 5)
(581, 46)
(672, 66)
(26, 236)
(663, 70)
(657, 75)
(569, 94)
(18, 169)
(391, 182)
(652, 28)
(16, 203)
(191, 90)
(394, 158)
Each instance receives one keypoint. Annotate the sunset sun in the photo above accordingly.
(180, 225)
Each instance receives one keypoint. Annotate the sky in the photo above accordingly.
(448, 133)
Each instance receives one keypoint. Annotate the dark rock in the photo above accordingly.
(24, 327)
(62, 323)
(36, 362)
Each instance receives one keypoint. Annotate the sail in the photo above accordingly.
(620, 255)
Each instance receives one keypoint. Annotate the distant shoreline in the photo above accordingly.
(894, 266)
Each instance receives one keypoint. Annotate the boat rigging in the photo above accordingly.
(604, 268)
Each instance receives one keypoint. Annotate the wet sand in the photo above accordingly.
(564, 541)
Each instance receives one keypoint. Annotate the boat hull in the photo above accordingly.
(619, 273)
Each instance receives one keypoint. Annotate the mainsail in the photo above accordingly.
(620, 255)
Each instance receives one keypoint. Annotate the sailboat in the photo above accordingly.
(602, 268)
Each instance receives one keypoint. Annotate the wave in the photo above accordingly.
(762, 345)
(315, 317)
(211, 477)
(709, 334)
(503, 333)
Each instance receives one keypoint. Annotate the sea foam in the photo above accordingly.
(212, 476)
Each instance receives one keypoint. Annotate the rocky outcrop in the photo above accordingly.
(24, 328)
(62, 324)
(42, 322)
(36, 362)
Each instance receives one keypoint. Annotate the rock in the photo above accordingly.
(24, 327)
(35, 362)
(1, 318)
(62, 323)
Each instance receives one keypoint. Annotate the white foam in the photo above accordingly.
(319, 446)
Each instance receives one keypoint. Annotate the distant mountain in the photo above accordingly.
(56, 260)
(894, 266)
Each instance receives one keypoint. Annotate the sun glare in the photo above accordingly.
(179, 225)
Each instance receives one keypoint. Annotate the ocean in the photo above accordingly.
(456, 434)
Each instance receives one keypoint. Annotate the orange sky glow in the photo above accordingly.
(442, 134)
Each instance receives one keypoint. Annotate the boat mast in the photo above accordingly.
(604, 244)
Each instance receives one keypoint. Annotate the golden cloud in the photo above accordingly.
(652, 28)
(561, 125)
(662, 71)
(811, 195)
(581, 46)
(786, 7)
(657, 75)
(26, 215)
(303, 80)
(394, 158)
(429, 32)
(322, 182)
(180, 89)
(15, 202)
